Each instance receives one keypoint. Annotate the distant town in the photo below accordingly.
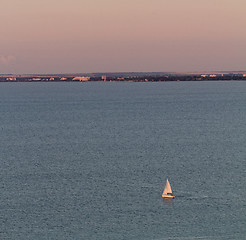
(126, 77)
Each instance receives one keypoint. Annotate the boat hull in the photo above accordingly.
(167, 196)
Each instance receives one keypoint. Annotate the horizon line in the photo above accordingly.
(167, 72)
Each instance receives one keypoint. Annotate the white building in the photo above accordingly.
(81, 79)
(11, 79)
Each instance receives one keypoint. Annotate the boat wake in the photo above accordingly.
(200, 237)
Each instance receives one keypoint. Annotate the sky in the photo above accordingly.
(84, 36)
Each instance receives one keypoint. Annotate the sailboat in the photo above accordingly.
(167, 193)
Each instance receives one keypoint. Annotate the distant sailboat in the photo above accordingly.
(167, 193)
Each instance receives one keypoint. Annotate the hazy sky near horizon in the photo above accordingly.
(72, 36)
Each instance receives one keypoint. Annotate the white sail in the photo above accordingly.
(167, 188)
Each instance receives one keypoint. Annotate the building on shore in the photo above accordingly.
(81, 79)
(11, 79)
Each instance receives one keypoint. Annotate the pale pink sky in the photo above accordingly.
(72, 36)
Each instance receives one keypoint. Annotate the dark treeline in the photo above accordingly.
(140, 78)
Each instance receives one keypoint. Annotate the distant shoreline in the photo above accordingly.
(126, 77)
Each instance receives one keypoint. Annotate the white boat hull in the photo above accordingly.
(167, 196)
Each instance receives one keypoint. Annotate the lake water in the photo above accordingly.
(90, 160)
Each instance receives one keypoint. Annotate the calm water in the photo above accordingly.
(90, 161)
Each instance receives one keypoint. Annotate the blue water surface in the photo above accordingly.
(90, 160)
